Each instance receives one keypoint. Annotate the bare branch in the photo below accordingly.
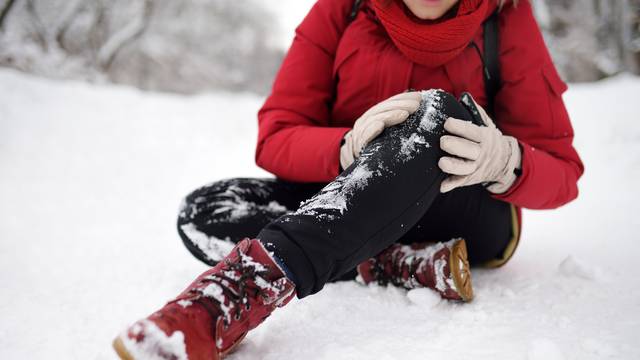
(39, 28)
(95, 30)
(67, 19)
(129, 33)
(5, 11)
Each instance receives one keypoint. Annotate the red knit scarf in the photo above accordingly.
(432, 43)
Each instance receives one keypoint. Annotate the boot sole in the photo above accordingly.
(122, 352)
(460, 270)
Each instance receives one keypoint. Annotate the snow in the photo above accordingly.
(91, 179)
(572, 267)
(408, 145)
(214, 291)
(335, 195)
(155, 345)
(184, 303)
(424, 297)
(544, 349)
(215, 249)
(432, 102)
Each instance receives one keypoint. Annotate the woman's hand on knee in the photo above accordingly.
(481, 154)
(367, 127)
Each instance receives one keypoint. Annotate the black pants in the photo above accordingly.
(389, 194)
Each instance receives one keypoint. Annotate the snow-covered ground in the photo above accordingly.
(91, 179)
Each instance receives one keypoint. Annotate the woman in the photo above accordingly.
(396, 184)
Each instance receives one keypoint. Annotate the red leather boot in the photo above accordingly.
(442, 267)
(215, 312)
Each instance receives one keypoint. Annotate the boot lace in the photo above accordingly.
(398, 267)
(239, 280)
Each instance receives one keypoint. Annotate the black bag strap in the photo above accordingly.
(491, 60)
(490, 56)
(354, 10)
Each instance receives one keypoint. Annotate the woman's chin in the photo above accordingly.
(429, 9)
(428, 15)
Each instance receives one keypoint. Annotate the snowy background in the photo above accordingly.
(189, 46)
(91, 177)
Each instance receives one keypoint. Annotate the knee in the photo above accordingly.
(448, 106)
(435, 108)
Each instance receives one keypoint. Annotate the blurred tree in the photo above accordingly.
(4, 11)
(184, 46)
(194, 45)
(591, 39)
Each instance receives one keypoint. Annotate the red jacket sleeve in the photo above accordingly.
(529, 107)
(296, 141)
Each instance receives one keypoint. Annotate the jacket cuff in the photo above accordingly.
(342, 132)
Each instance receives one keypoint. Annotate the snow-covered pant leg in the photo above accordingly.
(214, 217)
(371, 205)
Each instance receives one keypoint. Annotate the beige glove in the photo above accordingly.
(483, 155)
(387, 113)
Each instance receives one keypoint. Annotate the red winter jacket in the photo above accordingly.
(336, 70)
